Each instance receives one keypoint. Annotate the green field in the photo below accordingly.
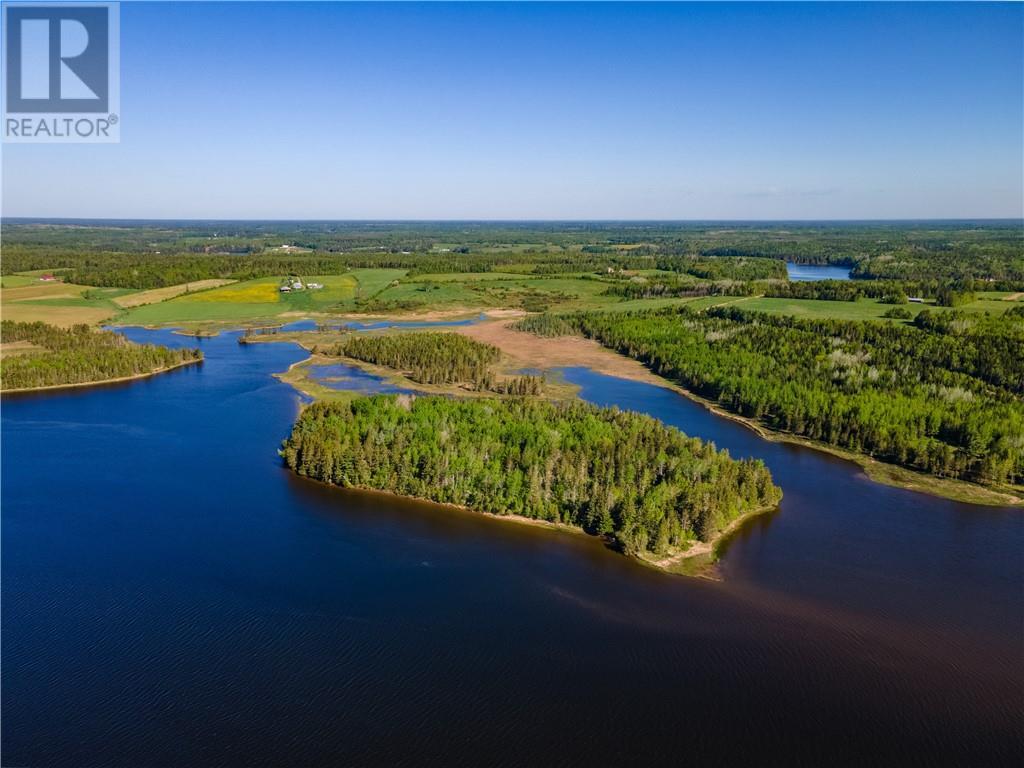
(261, 299)
(384, 290)
(863, 309)
(17, 281)
(564, 292)
(373, 281)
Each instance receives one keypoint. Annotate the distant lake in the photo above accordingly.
(802, 273)
(174, 596)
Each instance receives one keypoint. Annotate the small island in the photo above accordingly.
(655, 493)
(38, 356)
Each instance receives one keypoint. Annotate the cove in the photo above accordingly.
(172, 595)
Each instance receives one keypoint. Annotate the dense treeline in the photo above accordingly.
(429, 358)
(153, 254)
(824, 290)
(941, 397)
(79, 355)
(672, 286)
(731, 268)
(520, 386)
(996, 262)
(437, 358)
(664, 286)
(133, 270)
(550, 325)
(614, 473)
(120, 270)
(950, 294)
(887, 291)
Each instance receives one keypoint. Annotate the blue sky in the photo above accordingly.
(545, 111)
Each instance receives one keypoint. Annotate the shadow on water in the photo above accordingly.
(172, 595)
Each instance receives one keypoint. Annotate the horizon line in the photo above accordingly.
(14, 219)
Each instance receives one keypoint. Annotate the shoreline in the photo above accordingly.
(699, 548)
(598, 357)
(631, 369)
(212, 328)
(876, 471)
(101, 382)
(554, 390)
(669, 564)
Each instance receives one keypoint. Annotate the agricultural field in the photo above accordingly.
(370, 282)
(17, 281)
(384, 290)
(863, 309)
(261, 299)
(156, 295)
(24, 299)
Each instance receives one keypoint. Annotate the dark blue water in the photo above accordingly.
(841, 539)
(809, 272)
(173, 596)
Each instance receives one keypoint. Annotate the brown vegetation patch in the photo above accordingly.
(531, 351)
(63, 317)
(53, 290)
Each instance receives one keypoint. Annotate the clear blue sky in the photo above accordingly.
(543, 111)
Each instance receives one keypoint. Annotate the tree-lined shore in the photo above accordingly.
(48, 357)
(941, 396)
(609, 472)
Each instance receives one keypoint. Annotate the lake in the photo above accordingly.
(802, 273)
(172, 595)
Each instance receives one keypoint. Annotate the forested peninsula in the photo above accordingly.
(940, 396)
(39, 356)
(438, 359)
(647, 487)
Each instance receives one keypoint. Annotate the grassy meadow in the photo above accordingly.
(383, 291)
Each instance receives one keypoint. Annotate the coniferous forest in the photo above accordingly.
(609, 472)
(78, 355)
(941, 396)
(430, 358)
(437, 358)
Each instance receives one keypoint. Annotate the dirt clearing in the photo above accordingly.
(563, 351)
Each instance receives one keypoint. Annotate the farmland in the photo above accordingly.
(156, 295)
(439, 273)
